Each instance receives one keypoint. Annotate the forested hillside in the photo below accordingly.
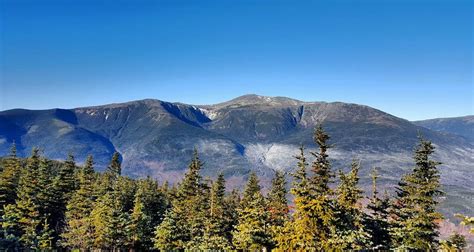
(47, 204)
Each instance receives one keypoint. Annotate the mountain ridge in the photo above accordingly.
(249, 133)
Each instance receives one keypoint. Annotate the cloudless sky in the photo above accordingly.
(413, 59)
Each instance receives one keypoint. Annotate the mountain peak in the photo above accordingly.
(254, 99)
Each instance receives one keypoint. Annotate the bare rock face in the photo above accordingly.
(248, 133)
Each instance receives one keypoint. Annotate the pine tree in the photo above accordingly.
(141, 223)
(216, 224)
(63, 186)
(232, 204)
(321, 167)
(377, 221)
(11, 228)
(299, 233)
(32, 207)
(115, 167)
(9, 179)
(253, 231)
(277, 205)
(350, 232)
(79, 230)
(320, 205)
(251, 189)
(183, 224)
(110, 223)
(415, 223)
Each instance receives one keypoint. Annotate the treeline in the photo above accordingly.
(69, 207)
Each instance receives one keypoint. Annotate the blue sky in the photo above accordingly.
(413, 59)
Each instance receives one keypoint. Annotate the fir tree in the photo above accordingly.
(140, 223)
(320, 205)
(251, 189)
(79, 227)
(216, 224)
(31, 209)
(63, 186)
(299, 233)
(9, 179)
(115, 167)
(277, 205)
(377, 221)
(253, 231)
(183, 224)
(110, 223)
(350, 232)
(415, 223)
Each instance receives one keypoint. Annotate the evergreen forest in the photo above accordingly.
(59, 205)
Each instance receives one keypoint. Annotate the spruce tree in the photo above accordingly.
(140, 226)
(251, 189)
(232, 204)
(183, 224)
(253, 230)
(277, 205)
(33, 202)
(299, 233)
(79, 230)
(115, 167)
(216, 224)
(350, 231)
(9, 179)
(377, 221)
(320, 204)
(415, 216)
(63, 186)
(110, 223)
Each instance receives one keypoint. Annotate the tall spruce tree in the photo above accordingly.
(415, 216)
(277, 206)
(216, 224)
(320, 204)
(377, 221)
(350, 231)
(32, 207)
(253, 230)
(79, 230)
(63, 186)
(299, 233)
(140, 226)
(9, 179)
(183, 224)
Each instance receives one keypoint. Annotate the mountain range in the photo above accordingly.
(250, 133)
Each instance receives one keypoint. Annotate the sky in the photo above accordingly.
(413, 59)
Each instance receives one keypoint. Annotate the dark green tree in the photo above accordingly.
(277, 205)
(79, 230)
(415, 215)
(253, 230)
(377, 221)
(184, 223)
(350, 231)
(216, 224)
(251, 189)
(9, 179)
